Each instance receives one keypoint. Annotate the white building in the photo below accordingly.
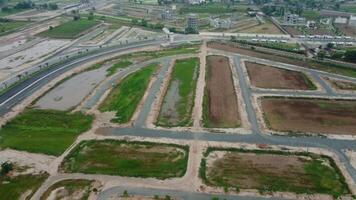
(352, 21)
(311, 24)
(220, 23)
(293, 19)
(340, 20)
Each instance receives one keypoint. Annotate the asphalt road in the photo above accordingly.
(25, 88)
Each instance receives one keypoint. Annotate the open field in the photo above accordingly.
(178, 102)
(15, 187)
(220, 100)
(43, 131)
(278, 58)
(69, 189)
(264, 76)
(70, 30)
(273, 171)
(310, 115)
(341, 85)
(263, 28)
(122, 158)
(125, 97)
(6, 27)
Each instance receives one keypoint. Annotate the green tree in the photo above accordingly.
(6, 167)
(350, 55)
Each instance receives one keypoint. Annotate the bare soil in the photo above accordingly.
(246, 169)
(222, 108)
(233, 48)
(310, 115)
(264, 76)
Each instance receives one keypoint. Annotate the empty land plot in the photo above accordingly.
(318, 65)
(220, 100)
(134, 159)
(178, 102)
(69, 189)
(341, 85)
(43, 131)
(70, 30)
(125, 97)
(273, 171)
(264, 76)
(310, 115)
(15, 187)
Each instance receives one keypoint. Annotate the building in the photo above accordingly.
(192, 22)
(340, 20)
(293, 19)
(220, 23)
(352, 21)
(195, 2)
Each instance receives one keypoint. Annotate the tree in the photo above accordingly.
(350, 55)
(330, 45)
(6, 167)
(52, 6)
(321, 55)
(125, 194)
(91, 16)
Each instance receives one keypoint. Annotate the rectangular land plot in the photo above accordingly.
(341, 85)
(122, 158)
(310, 115)
(176, 109)
(273, 171)
(264, 76)
(125, 97)
(220, 99)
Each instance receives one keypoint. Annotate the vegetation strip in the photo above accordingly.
(79, 187)
(124, 158)
(44, 131)
(125, 97)
(178, 103)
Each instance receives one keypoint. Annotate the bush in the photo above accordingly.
(6, 167)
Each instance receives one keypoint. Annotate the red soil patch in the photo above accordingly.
(310, 115)
(264, 76)
(221, 100)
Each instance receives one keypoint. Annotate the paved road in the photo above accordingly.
(24, 89)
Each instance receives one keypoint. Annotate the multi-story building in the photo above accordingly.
(293, 19)
(352, 21)
(192, 22)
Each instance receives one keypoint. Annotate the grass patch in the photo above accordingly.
(14, 187)
(70, 30)
(212, 8)
(123, 158)
(43, 131)
(185, 72)
(307, 173)
(124, 97)
(7, 27)
(71, 186)
(119, 65)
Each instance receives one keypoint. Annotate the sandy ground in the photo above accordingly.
(78, 87)
(26, 58)
(40, 162)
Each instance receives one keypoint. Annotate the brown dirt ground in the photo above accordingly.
(310, 115)
(222, 108)
(264, 76)
(232, 48)
(246, 169)
(349, 31)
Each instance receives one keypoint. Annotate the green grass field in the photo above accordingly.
(349, 8)
(14, 187)
(6, 27)
(71, 186)
(43, 131)
(125, 97)
(123, 158)
(185, 72)
(306, 173)
(70, 30)
(119, 65)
